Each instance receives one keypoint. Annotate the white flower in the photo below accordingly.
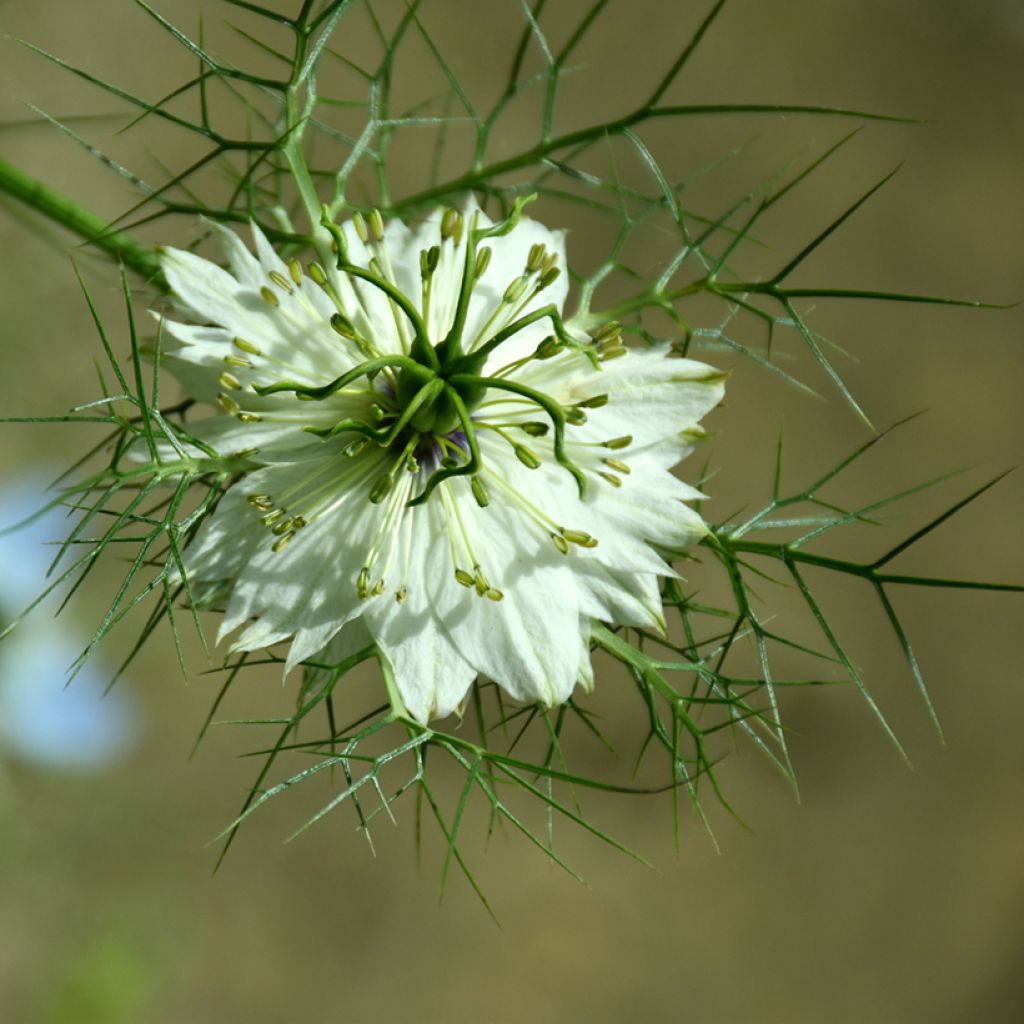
(441, 466)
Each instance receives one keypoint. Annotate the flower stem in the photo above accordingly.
(82, 222)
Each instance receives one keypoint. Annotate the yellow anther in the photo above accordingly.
(617, 443)
(281, 281)
(245, 346)
(584, 540)
(526, 456)
(228, 404)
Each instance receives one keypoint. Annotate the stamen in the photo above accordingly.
(584, 540)
(246, 346)
(617, 443)
(476, 579)
(547, 348)
(428, 264)
(618, 466)
(548, 278)
(269, 297)
(480, 581)
(526, 456)
(451, 226)
(547, 525)
(381, 488)
(228, 404)
(281, 281)
(229, 382)
(376, 225)
(295, 270)
(514, 292)
(387, 538)
(479, 492)
(610, 329)
(341, 325)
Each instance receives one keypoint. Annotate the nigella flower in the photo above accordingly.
(441, 465)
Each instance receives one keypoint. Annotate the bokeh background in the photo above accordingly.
(884, 894)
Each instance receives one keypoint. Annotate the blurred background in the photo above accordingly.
(885, 894)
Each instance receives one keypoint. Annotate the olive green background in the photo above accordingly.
(885, 894)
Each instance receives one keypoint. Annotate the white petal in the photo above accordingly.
(432, 677)
(349, 640)
(625, 598)
(292, 337)
(526, 641)
(243, 264)
(651, 397)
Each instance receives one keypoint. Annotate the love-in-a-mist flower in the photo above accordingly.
(441, 465)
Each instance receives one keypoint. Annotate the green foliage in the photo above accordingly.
(712, 678)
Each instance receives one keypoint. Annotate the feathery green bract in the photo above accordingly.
(318, 129)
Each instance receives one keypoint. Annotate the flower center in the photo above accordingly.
(429, 391)
(419, 404)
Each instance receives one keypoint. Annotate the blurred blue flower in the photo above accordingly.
(44, 719)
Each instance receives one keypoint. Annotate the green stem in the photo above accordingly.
(295, 125)
(790, 556)
(481, 173)
(87, 225)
